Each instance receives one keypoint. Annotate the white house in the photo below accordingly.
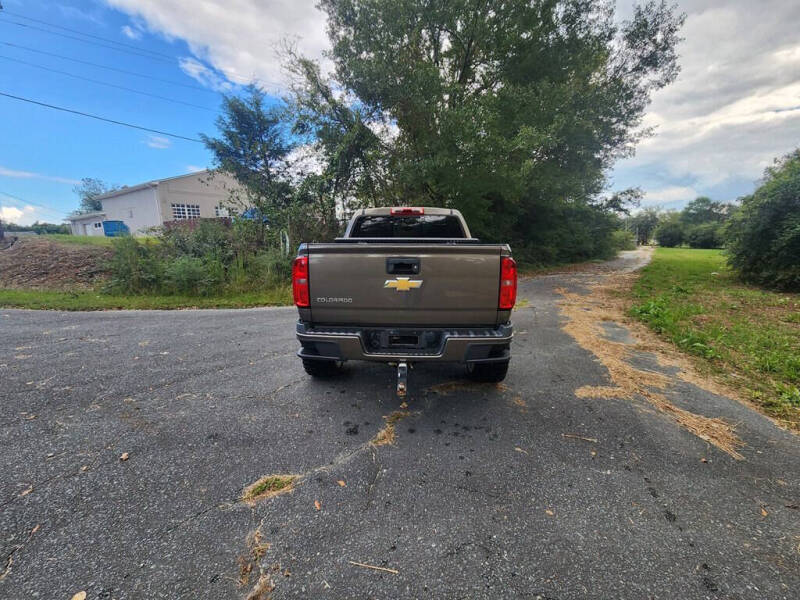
(151, 204)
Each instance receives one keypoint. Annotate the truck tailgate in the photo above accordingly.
(373, 284)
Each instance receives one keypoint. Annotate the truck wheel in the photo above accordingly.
(487, 372)
(322, 369)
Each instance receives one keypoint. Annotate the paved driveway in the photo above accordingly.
(519, 491)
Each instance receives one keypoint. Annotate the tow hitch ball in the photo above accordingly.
(402, 379)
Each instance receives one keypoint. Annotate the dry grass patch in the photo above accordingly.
(269, 486)
(585, 316)
(386, 436)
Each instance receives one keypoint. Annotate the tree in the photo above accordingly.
(670, 230)
(763, 236)
(252, 147)
(88, 190)
(703, 210)
(512, 112)
(705, 235)
(644, 224)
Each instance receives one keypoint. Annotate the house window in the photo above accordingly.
(221, 211)
(98, 225)
(185, 211)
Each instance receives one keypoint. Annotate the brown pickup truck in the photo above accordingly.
(405, 285)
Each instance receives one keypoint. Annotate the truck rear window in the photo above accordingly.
(416, 226)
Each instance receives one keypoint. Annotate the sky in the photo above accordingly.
(733, 110)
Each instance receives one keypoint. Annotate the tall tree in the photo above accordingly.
(89, 190)
(703, 210)
(252, 146)
(511, 111)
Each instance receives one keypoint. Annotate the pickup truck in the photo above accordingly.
(405, 285)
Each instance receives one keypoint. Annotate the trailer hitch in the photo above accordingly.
(402, 379)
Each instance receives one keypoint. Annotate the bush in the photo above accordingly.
(193, 276)
(135, 267)
(203, 259)
(623, 240)
(669, 233)
(708, 235)
(763, 236)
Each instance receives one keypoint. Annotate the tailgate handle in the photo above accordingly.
(402, 266)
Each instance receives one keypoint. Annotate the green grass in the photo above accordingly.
(84, 240)
(748, 336)
(92, 300)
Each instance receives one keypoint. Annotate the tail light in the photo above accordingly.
(508, 283)
(406, 211)
(300, 282)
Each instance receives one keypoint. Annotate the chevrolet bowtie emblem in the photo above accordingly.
(403, 284)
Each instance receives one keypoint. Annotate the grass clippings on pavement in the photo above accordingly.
(386, 436)
(269, 486)
(585, 315)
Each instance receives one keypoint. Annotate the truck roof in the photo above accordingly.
(387, 210)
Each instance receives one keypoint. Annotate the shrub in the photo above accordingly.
(763, 236)
(707, 235)
(623, 240)
(192, 275)
(670, 232)
(135, 267)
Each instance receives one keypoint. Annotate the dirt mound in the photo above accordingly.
(44, 264)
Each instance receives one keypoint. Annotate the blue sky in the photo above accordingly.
(44, 152)
(735, 107)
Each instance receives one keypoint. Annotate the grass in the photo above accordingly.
(93, 300)
(267, 486)
(748, 336)
(84, 240)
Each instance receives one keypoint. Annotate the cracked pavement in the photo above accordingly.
(481, 496)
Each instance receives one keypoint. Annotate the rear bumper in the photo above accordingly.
(463, 345)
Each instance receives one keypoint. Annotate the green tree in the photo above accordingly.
(512, 112)
(644, 224)
(703, 210)
(670, 231)
(252, 147)
(89, 190)
(763, 236)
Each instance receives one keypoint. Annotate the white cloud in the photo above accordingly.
(5, 172)
(131, 33)
(26, 215)
(208, 77)
(158, 142)
(239, 38)
(669, 195)
(734, 108)
(194, 168)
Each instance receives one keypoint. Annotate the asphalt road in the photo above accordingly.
(481, 495)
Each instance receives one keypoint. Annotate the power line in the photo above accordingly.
(97, 37)
(72, 37)
(125, 71)
(98, 82)
(50, 209)
(99, 118)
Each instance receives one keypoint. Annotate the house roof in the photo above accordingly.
(147, 184)
(81, 216)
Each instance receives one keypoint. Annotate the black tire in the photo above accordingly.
(322, 369)
(487, 372)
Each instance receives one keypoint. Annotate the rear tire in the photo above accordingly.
(487, 372)
(322, 369)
